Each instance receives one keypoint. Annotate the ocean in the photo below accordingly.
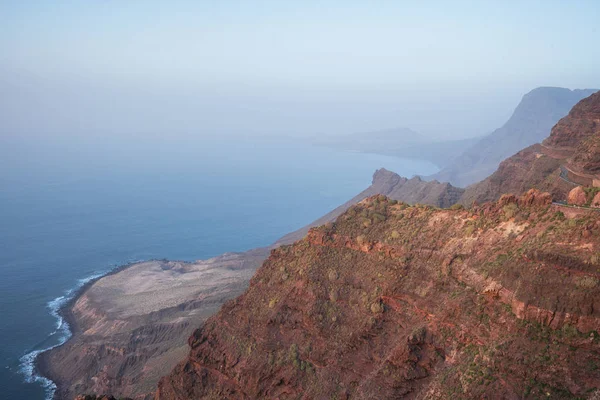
(73, 209)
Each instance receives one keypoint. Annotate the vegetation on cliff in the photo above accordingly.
(495, 301)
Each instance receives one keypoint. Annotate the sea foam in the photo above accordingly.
(62, 334)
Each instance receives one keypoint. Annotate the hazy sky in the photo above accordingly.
(449, 68)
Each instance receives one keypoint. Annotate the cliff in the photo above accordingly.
(530, 123)
(499, 301)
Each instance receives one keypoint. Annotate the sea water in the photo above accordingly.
(72, 210)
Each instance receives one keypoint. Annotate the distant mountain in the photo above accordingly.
(441, 153)
(401, 142)
(372, 141)
(570, 156)
(531, 122)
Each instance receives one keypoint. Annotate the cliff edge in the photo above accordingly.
(499, 301)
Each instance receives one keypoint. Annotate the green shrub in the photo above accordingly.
(379, 217)
(377, 307)
(586, 282)
(469, 230)
(510, 210)
(590, 192)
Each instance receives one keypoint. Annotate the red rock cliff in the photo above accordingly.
(500, 301)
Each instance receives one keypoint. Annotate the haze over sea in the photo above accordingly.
(73, 209)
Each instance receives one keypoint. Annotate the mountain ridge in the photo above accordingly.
(530, 123)
(376, 290)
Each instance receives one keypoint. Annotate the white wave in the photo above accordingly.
(27, 362)
(27, 368)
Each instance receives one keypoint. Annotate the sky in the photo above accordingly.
(152, 68)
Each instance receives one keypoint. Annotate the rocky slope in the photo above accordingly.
(577, 138)
(499, 301)
(130, 328)
(529, 168)
(536, 114)
(570, 156)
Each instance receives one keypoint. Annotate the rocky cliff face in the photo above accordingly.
(577, 138)
(536, 114)
(499, 301)
(396, 187)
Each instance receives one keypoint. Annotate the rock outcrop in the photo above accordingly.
(396, 187)
(391, 301)
(577, 197)
(596, 200)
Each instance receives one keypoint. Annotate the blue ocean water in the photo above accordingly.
(73, 209)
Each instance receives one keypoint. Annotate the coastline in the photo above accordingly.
(66, 359)
(120, 342)
(37, 364)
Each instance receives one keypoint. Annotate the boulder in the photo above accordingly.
(577, 197)
(535, 198)
(506, 199)
(596, 200)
